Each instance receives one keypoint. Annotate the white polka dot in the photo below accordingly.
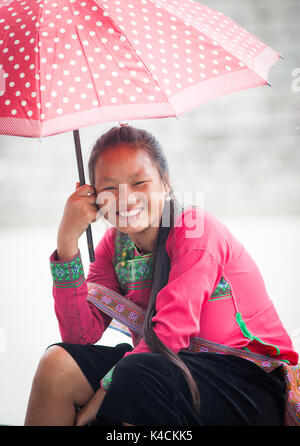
(114, 100)
(29, 113)
(77, 106)
(132, 98)
(14, 112)
(65, 100)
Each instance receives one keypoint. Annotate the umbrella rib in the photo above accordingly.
(38, 58)
(114, 23)
(95, 89)
(175, 13)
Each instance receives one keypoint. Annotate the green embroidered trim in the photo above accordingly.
(133, 271)
(247, 349)
(247, 333)
(219, 298)
(106, 380)
(67, 274)
(222, 291)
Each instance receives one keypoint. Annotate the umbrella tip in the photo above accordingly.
(123, 125)
(269, 85)
(281, 56)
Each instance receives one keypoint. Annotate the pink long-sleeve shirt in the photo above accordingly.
(185, 309)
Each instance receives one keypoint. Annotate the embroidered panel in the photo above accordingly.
(67, 274)
(222, 291)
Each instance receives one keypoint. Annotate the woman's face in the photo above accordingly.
(126, 180)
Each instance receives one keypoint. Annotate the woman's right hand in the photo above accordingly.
(79, 212)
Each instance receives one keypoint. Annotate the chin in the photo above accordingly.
(132, 230)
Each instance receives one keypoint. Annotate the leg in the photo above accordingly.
(143, 392)
(57, 386)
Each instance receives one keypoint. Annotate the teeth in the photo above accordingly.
(131, 213)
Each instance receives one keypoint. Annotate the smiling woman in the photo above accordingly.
(189, 283)
(134, 178)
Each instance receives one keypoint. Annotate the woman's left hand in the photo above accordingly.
(89, 411)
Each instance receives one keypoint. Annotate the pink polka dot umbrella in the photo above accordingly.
(69, 64)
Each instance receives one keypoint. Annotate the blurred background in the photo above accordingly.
(241, 152)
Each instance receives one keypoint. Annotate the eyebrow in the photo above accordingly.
(131, 176)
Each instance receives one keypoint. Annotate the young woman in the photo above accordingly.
(191, 283)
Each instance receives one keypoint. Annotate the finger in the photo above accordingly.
(86, 189)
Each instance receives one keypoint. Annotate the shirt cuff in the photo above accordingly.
(106, 380)
(67, 273)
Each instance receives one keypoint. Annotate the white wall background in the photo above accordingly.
(241, 151)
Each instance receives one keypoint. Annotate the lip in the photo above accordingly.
(132, 216)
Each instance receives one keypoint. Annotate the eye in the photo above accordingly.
(140, 182)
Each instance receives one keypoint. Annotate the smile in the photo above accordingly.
(132, 213)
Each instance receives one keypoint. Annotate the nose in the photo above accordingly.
(128, 198)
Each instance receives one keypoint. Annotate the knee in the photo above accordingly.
(141, 363)
(54, 367)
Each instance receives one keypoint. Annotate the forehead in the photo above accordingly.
(122, 161)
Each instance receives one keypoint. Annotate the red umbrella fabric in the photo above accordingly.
(69, 64)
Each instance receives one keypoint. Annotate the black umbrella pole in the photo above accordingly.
(82, 181)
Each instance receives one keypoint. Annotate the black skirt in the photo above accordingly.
(147, 389)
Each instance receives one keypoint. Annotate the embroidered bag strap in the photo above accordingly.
(117, 306)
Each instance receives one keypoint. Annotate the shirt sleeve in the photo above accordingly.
(193, 276)
(80, 322)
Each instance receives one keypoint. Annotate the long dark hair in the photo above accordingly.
(142, 139)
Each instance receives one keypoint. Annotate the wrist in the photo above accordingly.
(67, 273)
(67, 247)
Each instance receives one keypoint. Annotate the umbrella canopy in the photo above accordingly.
(69, 64)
